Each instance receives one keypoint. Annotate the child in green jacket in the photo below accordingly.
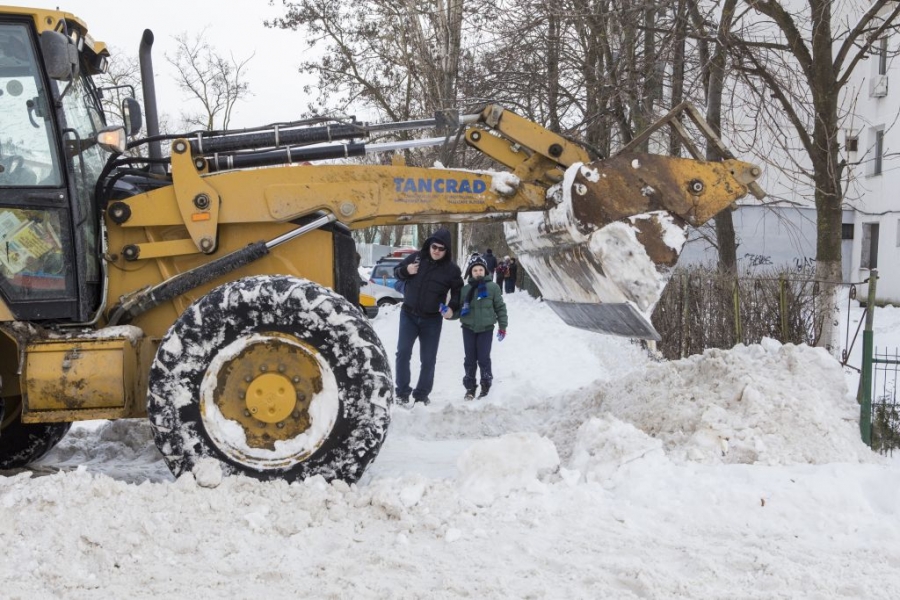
(482, 308)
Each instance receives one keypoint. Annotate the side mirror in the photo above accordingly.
(60, 56)
(134, 119)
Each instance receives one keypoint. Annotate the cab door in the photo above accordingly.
(37, 280)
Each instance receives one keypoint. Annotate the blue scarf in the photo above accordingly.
(482, 293)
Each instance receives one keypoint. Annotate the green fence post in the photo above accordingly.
(782, 288)
(865, 405)
(685, 315)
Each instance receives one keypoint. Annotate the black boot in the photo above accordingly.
(485, 388)
(470, 394)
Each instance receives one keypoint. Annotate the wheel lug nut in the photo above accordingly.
(280, 425)
(246, 413)
(242, 395)
(296, 414)
(248, 378)
(263, 368)
(281, 368)
(301, 396)
(296, 379)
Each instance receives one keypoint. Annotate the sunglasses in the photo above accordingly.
(437, 248)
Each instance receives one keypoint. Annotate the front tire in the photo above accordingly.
(23, 443)
(274, 377)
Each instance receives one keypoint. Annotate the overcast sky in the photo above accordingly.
(230, 28)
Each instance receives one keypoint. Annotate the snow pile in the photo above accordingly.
(607, 449)
(493, 468)
(588, 472)
(737, 406)
(208, 472)
(123, 450)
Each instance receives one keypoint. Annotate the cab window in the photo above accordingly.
(28, 157)
(32, 262)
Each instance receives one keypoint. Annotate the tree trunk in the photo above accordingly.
(678, 70)
(725, 237)
(553, 42)
(825, 154)
(829, 273)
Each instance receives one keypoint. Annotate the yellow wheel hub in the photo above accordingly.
(271, 398)
(267, 389)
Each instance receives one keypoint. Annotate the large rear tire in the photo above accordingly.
(23, 443)
(274, 377)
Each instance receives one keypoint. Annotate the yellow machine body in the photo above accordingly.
(86, 378)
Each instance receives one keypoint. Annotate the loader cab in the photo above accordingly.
(50, 115)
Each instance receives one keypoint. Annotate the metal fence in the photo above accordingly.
(702, 309)
(884, 421)
(879, 413)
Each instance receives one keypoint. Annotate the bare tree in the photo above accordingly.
(210, 78)
(121, 80)
(396, 58)
(393, 59)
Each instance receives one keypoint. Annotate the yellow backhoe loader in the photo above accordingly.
(214, 290)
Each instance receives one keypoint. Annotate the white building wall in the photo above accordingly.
(873, 98)
(769, 238)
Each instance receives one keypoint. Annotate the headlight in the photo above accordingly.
(112, 139)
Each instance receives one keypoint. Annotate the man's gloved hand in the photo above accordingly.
(501, 335)
(446, 311)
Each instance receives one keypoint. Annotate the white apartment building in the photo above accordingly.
(871, 140)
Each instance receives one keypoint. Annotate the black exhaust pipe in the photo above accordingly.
(149, 88)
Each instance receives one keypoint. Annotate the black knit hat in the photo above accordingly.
(475, 259)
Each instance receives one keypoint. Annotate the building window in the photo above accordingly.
(869, 258)
(877, 164)
(847, 231)
(882, 50)
(852, 144)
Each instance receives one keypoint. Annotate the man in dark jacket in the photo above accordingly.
(429, 275)
(491, 261)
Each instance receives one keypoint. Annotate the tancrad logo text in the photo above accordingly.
(440, 185)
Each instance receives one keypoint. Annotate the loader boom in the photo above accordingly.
(550, 175)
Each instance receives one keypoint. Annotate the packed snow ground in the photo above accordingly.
(590, 471)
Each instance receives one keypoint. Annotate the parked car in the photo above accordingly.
(383, 272)
(384, 295)
(368, 304)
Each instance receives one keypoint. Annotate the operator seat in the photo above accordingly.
(14, 173)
